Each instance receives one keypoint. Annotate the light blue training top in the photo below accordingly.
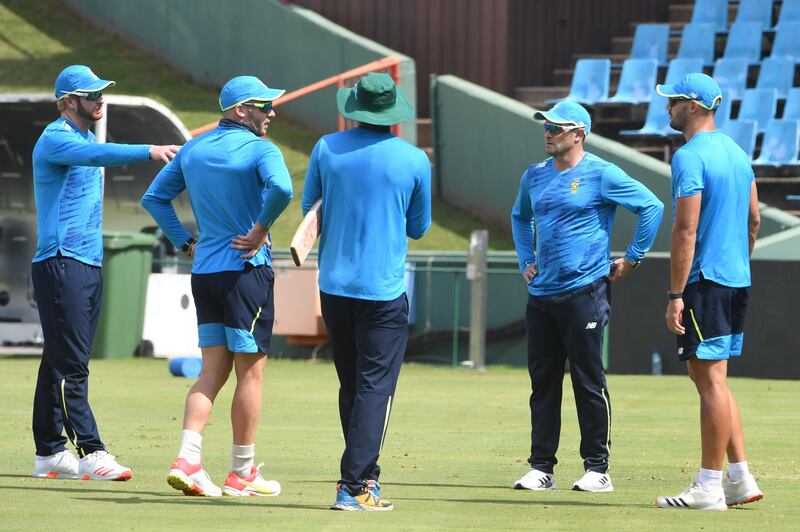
(714, 165)
(572, 213)
(376, 192)
(233, 179)
(68, 190)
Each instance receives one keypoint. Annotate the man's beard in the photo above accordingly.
(88, 114)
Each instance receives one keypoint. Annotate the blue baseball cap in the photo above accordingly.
(79, 79)
(246, 89)
(699, 87)
(567, 113)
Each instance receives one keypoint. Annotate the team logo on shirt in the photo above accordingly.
(574, 186)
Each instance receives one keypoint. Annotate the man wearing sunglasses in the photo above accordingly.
(67, 276)
(715, 206)
(561, 224)
(238, 185)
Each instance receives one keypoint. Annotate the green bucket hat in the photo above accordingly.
(374, 99)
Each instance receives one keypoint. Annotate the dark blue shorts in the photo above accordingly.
(235, 309)
(713, 316)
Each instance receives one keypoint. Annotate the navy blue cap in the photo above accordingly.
(567, 113)
(79, 79)
(246, 89)
(699, 87)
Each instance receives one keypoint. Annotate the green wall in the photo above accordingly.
(286, 46)
(484, 141)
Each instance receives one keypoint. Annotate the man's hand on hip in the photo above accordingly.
(252, 241)
(529, 273)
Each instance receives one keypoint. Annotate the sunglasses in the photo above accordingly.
(673, 101)
(264, 107)
(555, 130)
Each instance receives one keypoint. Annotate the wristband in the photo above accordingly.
(675, 295)
(188, 245)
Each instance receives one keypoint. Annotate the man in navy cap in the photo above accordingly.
(376, 193)
(716, 221)
(238, 185)
(67, 275)
(561, 224)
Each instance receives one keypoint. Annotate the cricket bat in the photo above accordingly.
(307, 233)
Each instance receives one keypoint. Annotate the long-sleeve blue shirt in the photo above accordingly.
(571, 214)
(376, 192)
(68, 190)
(234, 179)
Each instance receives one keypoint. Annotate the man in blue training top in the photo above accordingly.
(561, 223)
(716, 221)
(375, 191)
(67, 274)
(238, 185)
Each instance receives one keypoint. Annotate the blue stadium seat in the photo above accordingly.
(723, 112)
(759, 105)
(743, 133)
(651, 41)
(731, 74)
(755, 11)
(590, 81)
(787, 42)
(698, 41)
(713, 12)
(792, 108)
(744, 40)
(636, 81)
(657, 121)
(779, 147)
(680, 66)
(776, 73)
(790, 12)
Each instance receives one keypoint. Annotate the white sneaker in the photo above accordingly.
(742, 492)
(191, 479)
(595, 482)
(536, 480)
(60, 465)
(253, 484)
(695, 498)
(100, 465)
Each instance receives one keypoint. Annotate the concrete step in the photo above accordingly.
(424, 132)
(537, 96)
(683, 12)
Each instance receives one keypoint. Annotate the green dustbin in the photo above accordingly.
(127, 258)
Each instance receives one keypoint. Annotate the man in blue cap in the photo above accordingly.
(376, 193)
(716, 221)
(238, 185)
(67, 274)
(561, 224)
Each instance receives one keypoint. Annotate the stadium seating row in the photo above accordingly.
(715, 12)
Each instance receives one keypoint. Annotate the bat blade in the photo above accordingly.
(307, 233)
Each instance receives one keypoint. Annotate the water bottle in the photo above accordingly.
(655, 362)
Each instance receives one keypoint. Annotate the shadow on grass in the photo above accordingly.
(216, 501)
(540, 502)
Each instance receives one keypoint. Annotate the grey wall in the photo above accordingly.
(286, 46)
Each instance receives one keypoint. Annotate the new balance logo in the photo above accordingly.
(591, 325)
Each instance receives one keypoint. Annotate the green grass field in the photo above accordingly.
(456, 442)
(38, 39)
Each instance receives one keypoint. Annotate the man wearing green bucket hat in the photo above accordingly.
(375, 191)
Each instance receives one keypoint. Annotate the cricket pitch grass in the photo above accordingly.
(457, 441)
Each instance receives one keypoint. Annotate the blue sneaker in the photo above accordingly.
(365, 500)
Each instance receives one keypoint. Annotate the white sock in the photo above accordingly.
(710, 479)
(737, 471)
(191, 444)
(242, 459)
